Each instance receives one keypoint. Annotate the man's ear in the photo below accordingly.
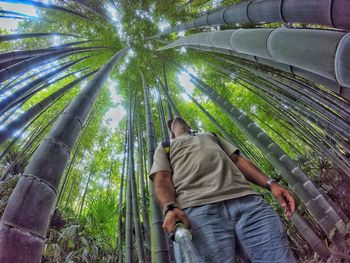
(172, 135)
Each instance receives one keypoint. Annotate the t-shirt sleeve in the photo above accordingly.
(160, 162)
(227, 147)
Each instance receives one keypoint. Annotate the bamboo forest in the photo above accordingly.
(86, 91)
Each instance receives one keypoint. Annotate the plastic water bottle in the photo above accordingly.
(184, 238)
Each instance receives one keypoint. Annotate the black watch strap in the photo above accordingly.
(168, 207)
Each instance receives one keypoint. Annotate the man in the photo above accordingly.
(206, 186)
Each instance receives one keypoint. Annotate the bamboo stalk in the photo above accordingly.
(160, 249)
(323, 12)
(134, 193)
(10, 100)
(10, 129)
(20, 54)
(31, 63)
(42, 176)
(128, 198)
(47, 5)
(120, 199)
(291, 47)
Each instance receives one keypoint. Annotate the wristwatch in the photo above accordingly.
(168, 207)
(268, 183)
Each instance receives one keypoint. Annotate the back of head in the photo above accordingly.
(178, 126)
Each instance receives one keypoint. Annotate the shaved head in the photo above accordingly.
(178, 126)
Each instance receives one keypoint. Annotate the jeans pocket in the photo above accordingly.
(204, 215)
(210, 209)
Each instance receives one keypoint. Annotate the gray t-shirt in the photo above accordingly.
(202, 171)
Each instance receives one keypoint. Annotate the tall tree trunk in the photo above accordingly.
(291, 47)
(163, 123)
(120, 202)
(86, 189)
(160, 249)
(128, 222)
(142, 184)
(144, 161)
(11, 62)
(9, 37)
(33, 137)
(325, 117)
(134, 192)
(19, 80)
(327, 100)
(72, 161)
(128, 197)
(10, 113)
(313, 240)
(13, 144)
(35, 192)
(70, 191)
(46, 5)
(169, 113)
(258, 12)
(31, 63)
(8, 56)
(317, 111)
(17, 15)
(168, 98)
(165, 137)
(12, 128)
(46, 84)
(11, 99)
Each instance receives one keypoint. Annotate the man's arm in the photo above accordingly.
(165, 193)
(164, 188)
(254, 175)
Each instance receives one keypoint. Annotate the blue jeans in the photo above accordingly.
(217, 227)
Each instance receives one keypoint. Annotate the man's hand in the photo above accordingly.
(254, 175)
(285, 198)
(173, 217)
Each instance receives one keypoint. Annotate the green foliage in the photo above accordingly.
(91, 237)
(101, 217)
(74, 240)
(4, 45)
(6, 188)
(15, 163)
